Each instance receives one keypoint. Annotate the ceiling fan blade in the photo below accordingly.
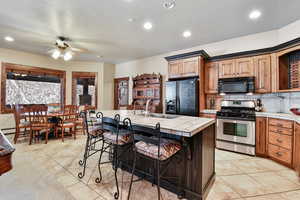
(79, 49)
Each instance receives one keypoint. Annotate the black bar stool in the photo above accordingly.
(114, 137)
(94, 136)
(151, 145)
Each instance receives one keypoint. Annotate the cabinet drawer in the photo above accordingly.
(284, 141)
(281, 123)
(277, 129)
(280, 154)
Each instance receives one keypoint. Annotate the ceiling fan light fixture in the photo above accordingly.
(68, 56)
(56, 54)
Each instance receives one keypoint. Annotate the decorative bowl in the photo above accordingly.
(296, 111)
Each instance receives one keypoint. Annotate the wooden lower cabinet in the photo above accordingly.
(280, 141)
(280, 154)
(261, 136)
(296, 155)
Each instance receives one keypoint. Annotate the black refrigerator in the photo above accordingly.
(182, 97)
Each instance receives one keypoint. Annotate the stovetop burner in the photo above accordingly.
(237, 110)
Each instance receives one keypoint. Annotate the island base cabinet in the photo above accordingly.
(194, 166)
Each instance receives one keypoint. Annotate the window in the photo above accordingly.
(84, 88)
(30, 85)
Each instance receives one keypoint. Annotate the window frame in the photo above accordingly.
(78, 74)
(10, 67)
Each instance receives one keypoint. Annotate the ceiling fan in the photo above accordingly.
(63, 49)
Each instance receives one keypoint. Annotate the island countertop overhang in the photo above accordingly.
(185, 126)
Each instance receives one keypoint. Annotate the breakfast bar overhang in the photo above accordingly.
(196, 166)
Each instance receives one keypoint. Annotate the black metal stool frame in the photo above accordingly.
(137, 136)
(91, 141)
(113, 126)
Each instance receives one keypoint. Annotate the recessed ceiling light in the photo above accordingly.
(9, 39)
(169, 4)
(186, 34)
(255, 14)
(131, 19)
(148, 25)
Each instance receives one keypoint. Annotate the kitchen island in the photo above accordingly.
(196, 166)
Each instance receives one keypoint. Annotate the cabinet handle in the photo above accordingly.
(280, 125)
(278, 140)
(278, 154)
(279, 131)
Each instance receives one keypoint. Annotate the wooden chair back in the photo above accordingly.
(37, 114)
(70, 112)
(20, 114)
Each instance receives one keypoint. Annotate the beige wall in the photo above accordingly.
(18, 57)
(158, 64)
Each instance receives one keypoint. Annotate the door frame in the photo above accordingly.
(116, 100)
(78, 74)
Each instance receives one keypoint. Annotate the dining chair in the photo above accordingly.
(67, 120)
(39, 123)
(21, 121)
(80, 120)
(150, 145)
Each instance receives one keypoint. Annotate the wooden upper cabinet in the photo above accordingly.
(262, 68)
(227, 69)
(296, 155)
(175, 68)
(244, 67)
(261, 136)
(188, 67)
(211, 77)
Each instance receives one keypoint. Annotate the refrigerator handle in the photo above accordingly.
(178, 105)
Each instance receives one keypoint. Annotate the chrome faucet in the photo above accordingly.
(147, 106)
(134, 110)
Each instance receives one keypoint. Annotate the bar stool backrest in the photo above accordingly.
(109, 124)
(146, 134)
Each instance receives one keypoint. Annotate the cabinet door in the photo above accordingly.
(261, 136)
(296, 155)
(227, 69)
(175, 68)
(211, 78)
(244, 67)
(262, 67)
(190, 67)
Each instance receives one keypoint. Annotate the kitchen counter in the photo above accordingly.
(195, 163)
(185, 126)
(286, 116)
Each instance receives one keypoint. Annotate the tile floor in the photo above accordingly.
(50, 172)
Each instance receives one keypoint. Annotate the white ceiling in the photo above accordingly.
(102, 26)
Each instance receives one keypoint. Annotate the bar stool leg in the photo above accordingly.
(99, 179)
(116, 195)
(158, 177)
(85, 156)
(132, 172)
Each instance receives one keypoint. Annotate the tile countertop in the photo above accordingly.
(286, 116)
(182, 125)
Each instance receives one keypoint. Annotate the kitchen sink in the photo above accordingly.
(156, 115)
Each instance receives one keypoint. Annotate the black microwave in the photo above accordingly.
(241, 85)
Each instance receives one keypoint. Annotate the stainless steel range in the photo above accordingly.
(236, 126)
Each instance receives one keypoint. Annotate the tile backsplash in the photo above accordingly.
(275, 102)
